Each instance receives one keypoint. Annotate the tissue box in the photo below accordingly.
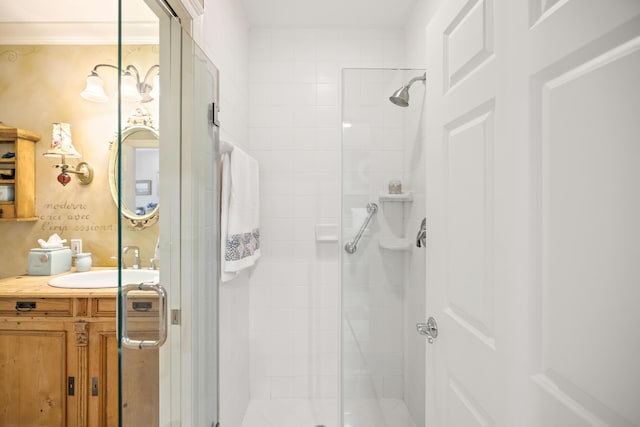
(6, 193)
(47, 262)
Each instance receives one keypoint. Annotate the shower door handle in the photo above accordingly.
(162, 332)
(429, 329)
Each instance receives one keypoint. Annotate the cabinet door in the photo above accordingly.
(34, 372)
(140, 386)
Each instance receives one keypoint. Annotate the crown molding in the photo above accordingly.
(76, 33)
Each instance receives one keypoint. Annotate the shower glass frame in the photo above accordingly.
(380, 352)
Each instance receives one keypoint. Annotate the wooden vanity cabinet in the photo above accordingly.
(59, 363)
(22, 183)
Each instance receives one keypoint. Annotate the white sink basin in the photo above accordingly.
(103, 278)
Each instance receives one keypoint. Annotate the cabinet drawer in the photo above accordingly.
(30, 307)
(138, 306)
(103, 307)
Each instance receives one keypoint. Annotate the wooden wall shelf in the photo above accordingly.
(22, 143)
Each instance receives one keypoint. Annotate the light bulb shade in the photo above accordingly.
(129, 89)
(94, 91)
(61, 144)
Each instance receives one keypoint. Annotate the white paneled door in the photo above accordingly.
(533, 213)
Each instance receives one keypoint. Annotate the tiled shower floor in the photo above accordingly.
(315, 412)
(291, 413)
(376, 413)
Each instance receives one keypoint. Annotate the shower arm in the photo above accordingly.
(423, 78)
(352, 246)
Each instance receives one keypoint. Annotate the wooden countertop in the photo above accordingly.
(37, 287)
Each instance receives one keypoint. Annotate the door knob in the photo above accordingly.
(429, 329)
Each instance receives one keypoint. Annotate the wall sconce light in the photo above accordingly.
(132, 89)
(62, 146)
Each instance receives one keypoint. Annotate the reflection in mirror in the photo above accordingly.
(140, 165)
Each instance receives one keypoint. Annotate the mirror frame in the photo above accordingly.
(138, 222)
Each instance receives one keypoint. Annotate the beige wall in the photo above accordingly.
(40, 85)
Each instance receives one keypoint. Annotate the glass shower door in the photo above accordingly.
(199, 233)
(382, 268)
(143, 292)
(174, 383)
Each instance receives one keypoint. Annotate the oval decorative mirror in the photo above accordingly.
(140, 171)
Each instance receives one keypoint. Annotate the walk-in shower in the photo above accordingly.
(401, 96)
(383, 357)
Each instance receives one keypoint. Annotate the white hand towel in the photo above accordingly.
(239, 214)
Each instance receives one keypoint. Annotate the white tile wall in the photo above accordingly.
(295, 132)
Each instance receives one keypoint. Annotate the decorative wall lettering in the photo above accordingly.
(67, 217)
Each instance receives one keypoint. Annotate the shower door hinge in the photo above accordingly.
(175, 317)
(213, 114)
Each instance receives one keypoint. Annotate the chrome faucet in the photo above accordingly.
(136, 257)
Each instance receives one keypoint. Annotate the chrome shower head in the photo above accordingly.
(401, 96)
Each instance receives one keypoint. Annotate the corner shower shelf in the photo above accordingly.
(402, 197)
(395, 244)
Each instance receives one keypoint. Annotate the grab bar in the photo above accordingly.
(352, 246)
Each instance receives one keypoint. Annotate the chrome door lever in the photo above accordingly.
(429, 329)
(421, 238)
